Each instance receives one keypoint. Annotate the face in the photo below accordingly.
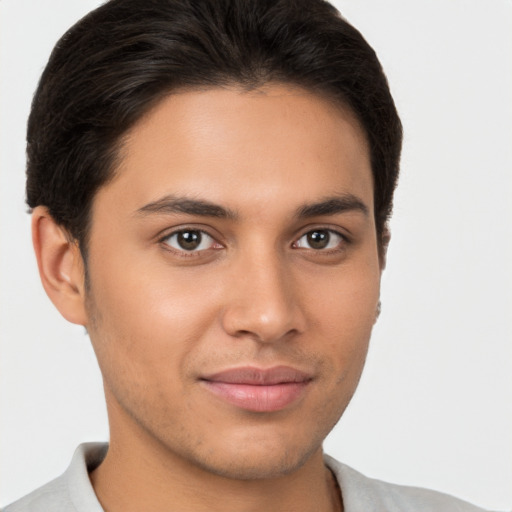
(234, 278)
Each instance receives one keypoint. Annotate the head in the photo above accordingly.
(162, 142)
(113, 66)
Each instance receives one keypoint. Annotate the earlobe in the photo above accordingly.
(378, 309)
(60, 266)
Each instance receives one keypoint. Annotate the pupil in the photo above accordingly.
(189, 240)
(318, 239)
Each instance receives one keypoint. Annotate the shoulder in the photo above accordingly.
(70, 492)
(51, 496)
(361, 493)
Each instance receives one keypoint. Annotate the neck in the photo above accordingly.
(139, 473)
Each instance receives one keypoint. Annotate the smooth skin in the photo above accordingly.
(238, 231)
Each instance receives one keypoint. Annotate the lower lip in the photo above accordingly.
(257, 398)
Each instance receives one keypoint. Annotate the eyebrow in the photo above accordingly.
(172, 204)
(333, 205)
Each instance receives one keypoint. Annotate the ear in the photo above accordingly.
(60, 266)
(385, 238)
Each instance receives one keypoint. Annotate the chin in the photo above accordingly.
(252, 452)
(259, 465)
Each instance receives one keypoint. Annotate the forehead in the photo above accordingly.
(277, 142)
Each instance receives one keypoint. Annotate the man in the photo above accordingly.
(211, 184)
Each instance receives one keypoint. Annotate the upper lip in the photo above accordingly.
(251, 375)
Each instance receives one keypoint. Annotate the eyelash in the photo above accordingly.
(343, 240)
(181, 252)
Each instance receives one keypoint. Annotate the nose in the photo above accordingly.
(263, 302)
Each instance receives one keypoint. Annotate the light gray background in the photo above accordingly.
(434, 406)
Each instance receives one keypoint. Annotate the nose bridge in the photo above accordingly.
(262, 304)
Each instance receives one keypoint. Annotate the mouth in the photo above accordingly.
(259, 390)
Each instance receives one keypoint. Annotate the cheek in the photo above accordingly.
(343, 311)
(145, 293)
(145, 322)
(344, 302)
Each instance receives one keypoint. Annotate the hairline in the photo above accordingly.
(119, 145)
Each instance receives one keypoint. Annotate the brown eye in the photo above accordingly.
(190, 240)
(319, 239)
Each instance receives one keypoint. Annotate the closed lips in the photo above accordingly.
(259, 377)
(259, 390)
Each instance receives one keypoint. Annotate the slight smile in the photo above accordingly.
(259, 390)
